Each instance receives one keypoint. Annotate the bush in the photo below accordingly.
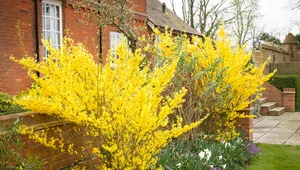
(288, 81)
(10, 148)
(122, 108)
(7, 106)
(207, 153)
(219, 80)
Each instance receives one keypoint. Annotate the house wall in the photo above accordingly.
(13, 78)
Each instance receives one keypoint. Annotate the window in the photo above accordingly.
(52, 23)
(115, 38)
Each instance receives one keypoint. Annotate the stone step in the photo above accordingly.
(276, 111)
(264, 110)
(262, 100)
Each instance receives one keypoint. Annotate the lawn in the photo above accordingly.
(276, 157)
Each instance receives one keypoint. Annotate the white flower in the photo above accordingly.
(178, 165)
(211, 166)
(207, 153)
(201, 155)
(220, 157)
(227, 145)
(224, 166)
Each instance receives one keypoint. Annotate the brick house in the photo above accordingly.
(49, 19)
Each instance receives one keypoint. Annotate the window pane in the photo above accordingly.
(43, 8)
(57, 12)
(57, 25)
(47, 24)
(47, 10)
(58, 39)
(52, 26)
(52, 11)
(52, 38)
(46, 37)
(43, 23)
(55, 38)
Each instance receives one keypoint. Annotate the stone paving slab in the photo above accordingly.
(283, 129)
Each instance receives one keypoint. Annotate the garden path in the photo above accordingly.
(283, 129)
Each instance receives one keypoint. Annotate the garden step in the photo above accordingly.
(276, 111)
(262, 100)
(264, 110)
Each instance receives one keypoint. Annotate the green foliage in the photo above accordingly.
(7, 106)
(204, 153)
(275, 157)
(269, 38)
(11, 147)
(288, 81)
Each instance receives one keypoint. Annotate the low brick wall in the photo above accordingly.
(51, 158)
(283, 99)
(272, 94)
(54, 159)
(288, 99)
(245, 125)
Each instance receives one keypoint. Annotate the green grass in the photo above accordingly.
(276, 157)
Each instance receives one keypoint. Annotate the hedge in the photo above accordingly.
(288, 81)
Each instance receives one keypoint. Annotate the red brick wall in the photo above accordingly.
(283, 99)
(51, 158)
(139, 5)
(289, 99)
(272, 94)
(13, 78)
(86, 33)
(245, 125)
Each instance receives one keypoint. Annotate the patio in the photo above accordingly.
(283, 129)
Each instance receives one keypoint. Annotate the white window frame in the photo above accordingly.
(60, 32)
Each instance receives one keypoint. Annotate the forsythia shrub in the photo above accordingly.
(123, 111)
(219, 79)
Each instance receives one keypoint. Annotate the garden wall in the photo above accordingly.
(245, 125)
(285, 98)
(285, 68)
(53, 159)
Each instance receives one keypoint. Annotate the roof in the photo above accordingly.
(168, 19)
(290, 39)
